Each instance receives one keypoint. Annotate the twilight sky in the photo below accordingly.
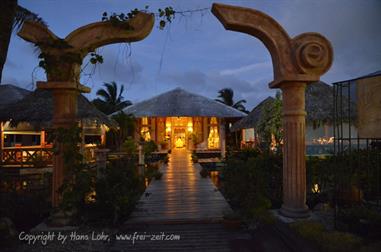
(197, 54)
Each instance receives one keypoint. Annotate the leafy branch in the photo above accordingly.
(165, 16)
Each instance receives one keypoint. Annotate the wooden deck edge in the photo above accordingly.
(174, 221)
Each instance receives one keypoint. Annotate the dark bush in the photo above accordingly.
(204, 173)
(117, 192)
(255, 184)
(27, 205)
(149, 147)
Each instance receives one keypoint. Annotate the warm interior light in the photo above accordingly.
(168, 127)
(316, 188)
(190, 127)
(91, 197)
(323, 140)
(213, 138)
(144, 132)
(179, 143)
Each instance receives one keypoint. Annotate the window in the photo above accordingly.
(213, 138)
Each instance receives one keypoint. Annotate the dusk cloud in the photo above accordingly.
(198, 54)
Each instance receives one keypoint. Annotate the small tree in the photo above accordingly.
(11, 19)
(126, 123)
(269, 127)
(226, 96)
(110, 100)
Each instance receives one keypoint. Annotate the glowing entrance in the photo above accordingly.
(180, 131)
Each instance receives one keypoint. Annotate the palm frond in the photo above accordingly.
(239, 105)
(120, 96)
(104, 94)
(22, 15)
(112, 91)
(219, 101)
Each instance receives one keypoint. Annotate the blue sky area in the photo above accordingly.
(197, 54)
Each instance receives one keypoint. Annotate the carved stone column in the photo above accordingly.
(63, 60)
(294, 165)
(297, 61)
(65, 108)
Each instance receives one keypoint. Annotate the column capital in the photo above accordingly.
(63, 85)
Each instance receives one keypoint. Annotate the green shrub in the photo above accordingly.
(310, 230)
(149, 147)
(255, 183)
(327, 240)
(152, 171)
(244, 154)
(118, 191)
(129, 146)
(339, 241)
(360, 219)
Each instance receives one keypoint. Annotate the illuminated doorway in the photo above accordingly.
(179, 137)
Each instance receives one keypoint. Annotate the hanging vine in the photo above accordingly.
(50, 62)
(78, 179)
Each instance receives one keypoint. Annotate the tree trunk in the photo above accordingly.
(7, 14)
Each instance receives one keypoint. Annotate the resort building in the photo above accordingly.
(180, 119)
(26, 117)
(319, 120)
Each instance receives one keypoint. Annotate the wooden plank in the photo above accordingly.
(180, 195)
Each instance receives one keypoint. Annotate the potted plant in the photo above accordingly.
(157, 175)
(204, 173)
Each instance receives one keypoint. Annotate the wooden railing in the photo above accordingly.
(27, 156)
(37, 157)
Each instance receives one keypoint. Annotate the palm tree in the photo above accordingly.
(226, 95)
(12, 17)
(110, 101)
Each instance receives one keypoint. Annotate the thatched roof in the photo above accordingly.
(319, 102)
(36, 108)
(370, 75)
(179, 102)
(10, 93)
(319, 107)
(253, 117)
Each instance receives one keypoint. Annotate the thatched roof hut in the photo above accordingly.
(253, 117)
(179, 102)
(10, 93)
(319, 107)
(36, 108)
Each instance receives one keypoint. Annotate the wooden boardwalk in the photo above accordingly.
(181, 196)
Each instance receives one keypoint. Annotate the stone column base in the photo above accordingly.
(294, 212)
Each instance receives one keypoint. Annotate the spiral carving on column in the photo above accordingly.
(303, 58)
(313, 53)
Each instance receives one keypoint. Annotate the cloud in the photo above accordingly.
(351, 26)
(117, 66)
(208, 84)
(256, 66)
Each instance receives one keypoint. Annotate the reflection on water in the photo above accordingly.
(214, 176)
